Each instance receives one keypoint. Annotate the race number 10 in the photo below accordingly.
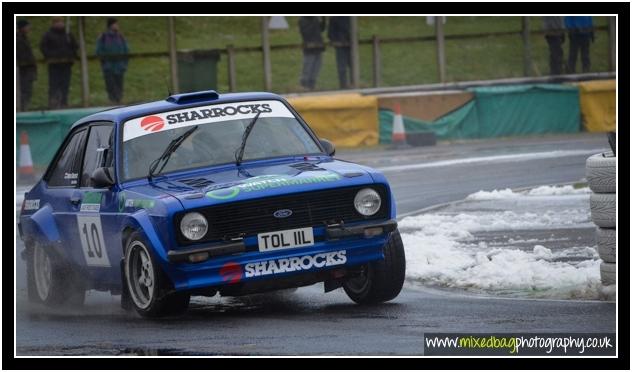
(91, 235)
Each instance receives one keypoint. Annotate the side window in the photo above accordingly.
(97, 151)
(66, 171)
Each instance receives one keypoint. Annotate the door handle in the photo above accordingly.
(75, 199)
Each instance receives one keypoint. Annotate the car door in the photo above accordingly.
(61, 183)
(97, 213)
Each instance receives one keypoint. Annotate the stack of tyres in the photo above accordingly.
(601, 175)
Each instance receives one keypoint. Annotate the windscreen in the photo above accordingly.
(219, 134)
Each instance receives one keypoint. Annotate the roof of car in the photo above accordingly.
(121, 114)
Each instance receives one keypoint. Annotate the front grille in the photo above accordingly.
(315, 208)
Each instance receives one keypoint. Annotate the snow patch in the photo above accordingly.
(538, 191)
(444, 248)
(440, 260)
(558, 190)
(493, 195)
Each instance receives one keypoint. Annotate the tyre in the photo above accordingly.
(603, 209)
(49, 281)
(601, 173)
(382, 280)
(607, 244)
(149, 288)
(608, 273)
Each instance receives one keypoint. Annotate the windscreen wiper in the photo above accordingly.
(239, 153)
(171, 148)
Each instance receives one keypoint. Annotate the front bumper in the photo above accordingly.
(231, 263)
(337, 232)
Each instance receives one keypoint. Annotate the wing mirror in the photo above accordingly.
(102, 177)
(330, 149)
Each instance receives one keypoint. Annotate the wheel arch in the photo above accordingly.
(141, 222)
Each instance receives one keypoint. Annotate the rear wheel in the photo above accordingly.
(50, 282)
(380, 281)
(148, 287)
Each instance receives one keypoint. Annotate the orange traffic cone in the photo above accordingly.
(25, 171)
(398, 140)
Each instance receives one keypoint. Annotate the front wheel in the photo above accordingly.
(147, 285)
(380, 281)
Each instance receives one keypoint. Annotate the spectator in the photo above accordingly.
(580, 34)
(554, 34)
(339, 34)
(313, 47)
(27, 67)
(113, 50)
(60, 51)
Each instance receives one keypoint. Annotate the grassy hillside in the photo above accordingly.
(402, 63)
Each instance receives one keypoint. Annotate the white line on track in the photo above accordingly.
(491, 159)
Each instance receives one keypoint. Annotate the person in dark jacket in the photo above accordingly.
(60, 51)
(554, 34)
(339, 33)
(313, 47)
(580, 34)
(113, 50)
(27, 67)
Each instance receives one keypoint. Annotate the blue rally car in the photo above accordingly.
(204, 193)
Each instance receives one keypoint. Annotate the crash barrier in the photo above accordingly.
(425, 106)
(47, 129)
(598, 105)
(353, 120)
(348, 120)
(500, 111)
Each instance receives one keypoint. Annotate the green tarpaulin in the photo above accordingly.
(501, 111)
(47, 129)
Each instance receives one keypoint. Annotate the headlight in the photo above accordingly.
(367, 202)
(193, 226)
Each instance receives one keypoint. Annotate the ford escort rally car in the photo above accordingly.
(202, 194)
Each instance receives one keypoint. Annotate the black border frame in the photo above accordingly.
(623, 11)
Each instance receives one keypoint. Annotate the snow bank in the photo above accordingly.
(460, 225)
(439, 260)
(538, 191)
(442, 249)
(557, 190)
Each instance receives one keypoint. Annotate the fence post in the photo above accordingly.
(355, 54)
(232, 75)
(440, 48)
(173, 60)
(85, 86)
(265, 46)
(526, 43)
(377, 62)
(612, 41)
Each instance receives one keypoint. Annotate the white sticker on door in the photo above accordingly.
(91, 235)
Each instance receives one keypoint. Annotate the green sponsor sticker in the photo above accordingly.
(91, 202)
(92, 198)
(267, 182)
(124, 202)
(140, 203)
